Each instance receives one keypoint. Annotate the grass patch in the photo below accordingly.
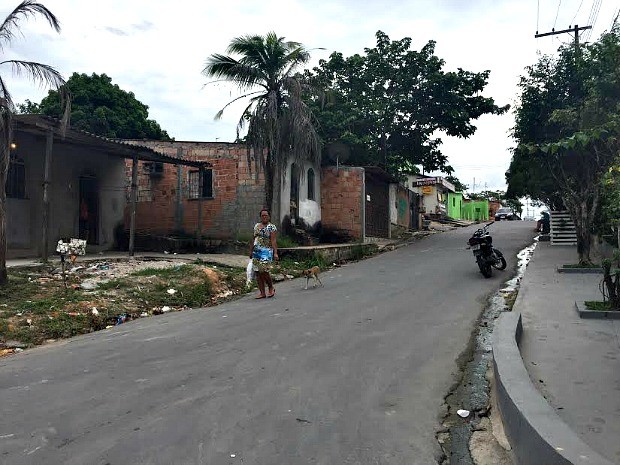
(286, 242)
(166, 273)
(290, 265)
(35, 306)
(599, 306)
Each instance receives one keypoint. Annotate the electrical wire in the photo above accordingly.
(573, 20)
(556, 14)
(596, 8)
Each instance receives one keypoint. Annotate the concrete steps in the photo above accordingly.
(562, 229)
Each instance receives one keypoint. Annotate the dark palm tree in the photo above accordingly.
(279, 123)
(38, 72)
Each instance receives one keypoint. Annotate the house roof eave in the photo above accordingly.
(39, 125)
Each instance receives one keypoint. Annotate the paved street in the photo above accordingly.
(352, 373)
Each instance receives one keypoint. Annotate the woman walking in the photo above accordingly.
(263, 250)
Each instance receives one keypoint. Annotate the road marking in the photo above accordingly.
(6, 436)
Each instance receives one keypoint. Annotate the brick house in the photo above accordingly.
(356, 201)
(66, 185)
(222, 201)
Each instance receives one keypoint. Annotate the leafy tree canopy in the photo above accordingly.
(389, 103)
(456, 182)
(103, 108)
(498, 196)
(568, 131)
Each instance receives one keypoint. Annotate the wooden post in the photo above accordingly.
(200, 180)
(134, 198)
(178, 217)
(47, 174)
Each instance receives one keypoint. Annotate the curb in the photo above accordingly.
(535, 431)
(596, 314)
(561, 269)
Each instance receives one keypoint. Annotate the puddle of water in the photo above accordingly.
(472, 393)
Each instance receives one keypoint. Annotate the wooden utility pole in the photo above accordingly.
(134, 199)
(47, 174)
(178, 213)
(574, 30)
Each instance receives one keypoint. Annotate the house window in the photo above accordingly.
(201, 187)
(310, 184)
(16, 180)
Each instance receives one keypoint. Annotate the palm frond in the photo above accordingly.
(25, 9)
(44, 75)
(279, 124)
(6, 101)
(219, 114)
(227, 68)
(6, 118)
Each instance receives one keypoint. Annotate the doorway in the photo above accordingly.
(294, 194)
(88, 210)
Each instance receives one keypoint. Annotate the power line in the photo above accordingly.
(596, 7)
(557, 13)
(598, 10)
(573, 20)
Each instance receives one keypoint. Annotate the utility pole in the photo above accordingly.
(574, 30)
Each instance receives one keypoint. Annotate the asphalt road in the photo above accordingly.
(351, 373)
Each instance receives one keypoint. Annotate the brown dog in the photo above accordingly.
(312, 273)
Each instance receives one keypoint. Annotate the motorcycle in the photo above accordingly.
(487, 256)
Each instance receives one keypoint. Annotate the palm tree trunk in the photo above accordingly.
(269, 186)
(4, 168)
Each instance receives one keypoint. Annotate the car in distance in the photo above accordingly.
(505, 213)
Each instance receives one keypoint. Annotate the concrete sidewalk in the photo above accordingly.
(574, 362)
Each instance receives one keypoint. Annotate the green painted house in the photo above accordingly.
(476, 211)
(454, 205)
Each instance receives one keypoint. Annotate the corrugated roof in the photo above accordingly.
(40, 124)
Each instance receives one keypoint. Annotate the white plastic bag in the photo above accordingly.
(249, 273)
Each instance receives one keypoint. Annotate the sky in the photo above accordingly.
(157, 51)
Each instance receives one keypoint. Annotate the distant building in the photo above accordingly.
(433, 192)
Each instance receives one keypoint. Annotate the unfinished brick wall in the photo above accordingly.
(341, 199)
(238, 194)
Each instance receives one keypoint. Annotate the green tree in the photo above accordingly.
(567, 130)
(279, 123)
(498, 196)
(103, 108)
(456, 182)
(39, 73)
(389, 103)
(28, 107)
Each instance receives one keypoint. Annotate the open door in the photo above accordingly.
(88, 210)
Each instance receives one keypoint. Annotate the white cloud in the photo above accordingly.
(157, 50)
